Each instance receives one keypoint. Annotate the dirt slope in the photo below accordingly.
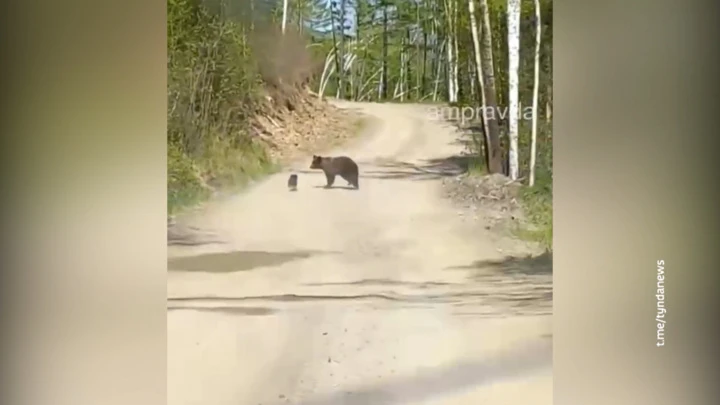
(377, 296)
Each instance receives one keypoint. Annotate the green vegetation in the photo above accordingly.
(371, 50)
(537, 200)
(397, 51)
(213, 90)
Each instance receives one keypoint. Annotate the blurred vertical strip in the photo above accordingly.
(636, 140)
(84, 106)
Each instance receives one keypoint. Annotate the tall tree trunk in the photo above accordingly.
(456, 50)
(471, 75)
(418, 60)
(478, 70)
(536, 85)
(437, 50)
(439, 66)
(252, 15)
(358, 76)
(452, 91)
(423, 82)
(362, 75)
(548, 104)
(401, 82)
(451, 49)
(336, 49)
(513, 24)
(341, 52)
(384, 81)
(495, 159)
(300, 19)
(284, 15)
(409, 72)
(548, 81)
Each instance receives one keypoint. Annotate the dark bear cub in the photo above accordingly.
(292, 182)
(341, 166)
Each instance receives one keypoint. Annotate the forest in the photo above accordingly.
(496, 55)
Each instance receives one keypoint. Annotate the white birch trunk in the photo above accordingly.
(452, 91)
(284, 16)
(536, 85)
(457, 52)
(513, 23)
(451, 47)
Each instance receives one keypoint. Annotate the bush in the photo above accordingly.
(537, 200)
(213, 92)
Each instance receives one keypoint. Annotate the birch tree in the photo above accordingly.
(450, 16)
(513, 24)
(456, 53)
(284, 15)
(536, 86)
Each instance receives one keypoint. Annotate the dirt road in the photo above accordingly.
(363, 297)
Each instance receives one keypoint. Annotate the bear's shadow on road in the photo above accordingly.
(334, 187)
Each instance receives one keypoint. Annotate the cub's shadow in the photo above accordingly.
(337, 188)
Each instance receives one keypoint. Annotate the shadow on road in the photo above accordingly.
(445, 382)
(526, 266)
(521, 284)
(323, 297)
(226, 309)
(226, 262)
(384, 282)
(336, 187)
(178, 235)
(486, 299)
(429, 169)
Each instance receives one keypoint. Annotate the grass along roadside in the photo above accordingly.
(536, 202)
(232, 169)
